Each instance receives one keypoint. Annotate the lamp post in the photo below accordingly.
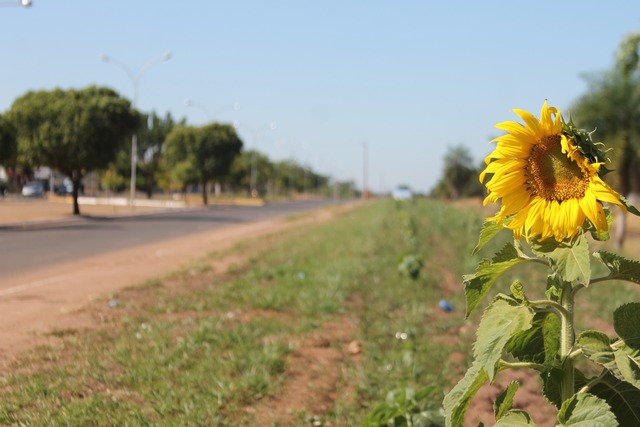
(365, 171)
(135, 79)
(191, 103)
(23, 3)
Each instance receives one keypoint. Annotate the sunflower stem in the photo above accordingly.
(567, 339)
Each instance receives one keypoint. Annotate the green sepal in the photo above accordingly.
(619, 267)
(477, 285)
(502, 319)
(538, 344)
(515, 418)
(629, 206)
(504, 401)
(584, 142)
(569, 258)
(622, 397)
(457, 401)
(584, 409)
(489, 230)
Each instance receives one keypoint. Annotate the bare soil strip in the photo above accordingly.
(45, 300)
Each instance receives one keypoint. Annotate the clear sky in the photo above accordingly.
(408, 78)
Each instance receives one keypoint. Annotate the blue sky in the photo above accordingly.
(408, 78)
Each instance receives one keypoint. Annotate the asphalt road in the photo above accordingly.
(44, 246)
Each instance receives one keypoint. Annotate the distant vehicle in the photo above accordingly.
(33, 189)
(402, 193)
(65, 188)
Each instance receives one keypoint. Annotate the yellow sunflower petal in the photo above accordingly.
(514, 128)
(529, 119)
(593, 210)
(603, 192)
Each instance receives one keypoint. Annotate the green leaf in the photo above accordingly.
(457, 401)
(476, 286)
(515, 418)
(629, 206)
(488, 232)
(540, 343)
(593, 342)
(622, 397)
(626, 319)
(619, 268)
(621, 360)
(517, 290)
(502, 319)
(586, 410)
(504, 401)
(552, 383)
(569, 258)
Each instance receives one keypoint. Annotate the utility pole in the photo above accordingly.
(365, 172)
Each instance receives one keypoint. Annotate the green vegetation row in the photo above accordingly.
(78, 131)
(199, 348)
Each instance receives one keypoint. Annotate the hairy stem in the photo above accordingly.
(567, 339)
(554, 306)
(515, 365)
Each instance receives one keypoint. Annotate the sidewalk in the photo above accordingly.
(22, 212)
(19, 212)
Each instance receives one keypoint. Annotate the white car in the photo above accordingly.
(402, 193)
(33, 189)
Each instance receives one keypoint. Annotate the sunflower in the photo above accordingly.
(546, 173)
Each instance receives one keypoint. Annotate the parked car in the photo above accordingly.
(402, 193)
(33, 189)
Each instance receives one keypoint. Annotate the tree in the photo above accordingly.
(612, 107)
(73, 131)
(8, 146)
(459, 176)
(200, 154)
(151, 139)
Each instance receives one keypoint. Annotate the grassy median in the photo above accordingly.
(314, 326)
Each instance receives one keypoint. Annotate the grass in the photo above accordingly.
(201, 347)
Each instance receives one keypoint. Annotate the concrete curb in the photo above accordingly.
(83, 219)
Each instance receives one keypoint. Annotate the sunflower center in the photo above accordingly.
(552, 175)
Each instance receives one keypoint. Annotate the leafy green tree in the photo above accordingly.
(199, 155)
(8, 146)
(243, 167)
(459, 176)
(151, 139)
(73, 131)
(612, 106)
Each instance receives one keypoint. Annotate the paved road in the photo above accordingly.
(25, 249)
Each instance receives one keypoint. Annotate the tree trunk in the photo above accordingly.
(625, 172)
(149, 185)
(75, 179)
(205, 201)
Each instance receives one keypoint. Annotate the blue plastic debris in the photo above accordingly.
(445, 305)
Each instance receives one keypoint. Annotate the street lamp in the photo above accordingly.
(191, 103)
(23, 3)
(135, 79)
